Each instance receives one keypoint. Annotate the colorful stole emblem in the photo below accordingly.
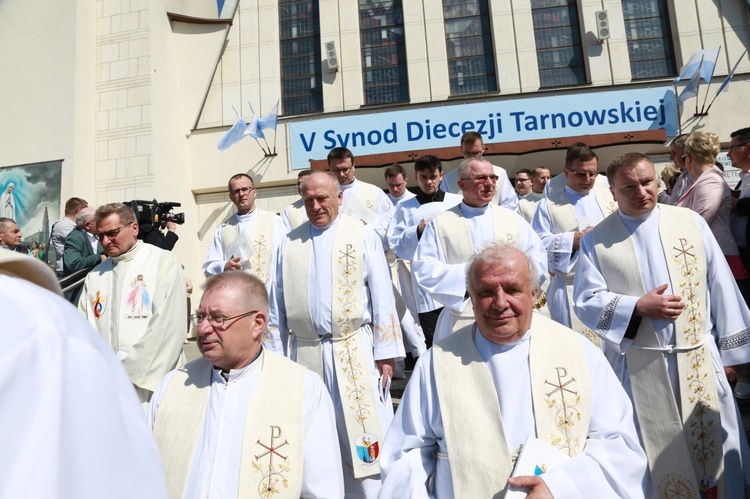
(99, 305)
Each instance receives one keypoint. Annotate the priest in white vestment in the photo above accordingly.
(452, 237)
(653, 283)
(406, 228)
(478, 395)
(362, 200)
(71, 424)
(243, 422)
(136, 299)
(249, 238)
(563, 217)
(472, 147)
(333, 301)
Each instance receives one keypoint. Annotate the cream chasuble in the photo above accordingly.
(561, 394)
(671, 433)
(137, 302)
(350, 360)
(261, 239)
(454, 236)
(272, 450)
(564, 219)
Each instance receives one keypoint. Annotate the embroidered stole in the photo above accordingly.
(564, 219)
(350, 359)
(272, 441)
(368, 194)
(261, 237)
(454, 236)
(561, 395)
(134, 298)
(671, 434)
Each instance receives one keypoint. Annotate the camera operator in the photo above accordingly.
(161, 238)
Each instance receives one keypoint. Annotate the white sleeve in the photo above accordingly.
(508, 196)
(388, 341)
(607, 314)
(443, 282)
(559, 247)
(215, 260)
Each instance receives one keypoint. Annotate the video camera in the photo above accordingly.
(154, 214)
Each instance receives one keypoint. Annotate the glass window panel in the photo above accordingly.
(558, 42)
(649, 38)
(385, 78)
(468, 40)
(301, 72)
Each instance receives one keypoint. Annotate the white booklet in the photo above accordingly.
(241, 247)
(536, 458)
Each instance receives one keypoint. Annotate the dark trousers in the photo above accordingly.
(428, 321)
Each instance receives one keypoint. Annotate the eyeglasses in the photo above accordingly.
(482, 178)
(735, 146)
(584, 174)
(522, 179)
(472, 154)
(338, 171)
(242, 190)
(110, 234)
(216, 321)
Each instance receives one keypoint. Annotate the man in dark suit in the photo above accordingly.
(79, 250)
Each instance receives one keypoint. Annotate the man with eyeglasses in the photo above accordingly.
(249, 238)
(332, 304)
(472, 147)
(363, 201)
(562, 218)
(523, 183)
(452, 237)
(677, 155)
(82, 249)
(395, 180)
(241, 418)
(136, 300)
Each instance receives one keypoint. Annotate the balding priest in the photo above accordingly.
(242, 422)
(512, 378)
(333, 300)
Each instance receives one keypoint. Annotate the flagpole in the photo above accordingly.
(705, 97)
(726, 81)
(275, 135)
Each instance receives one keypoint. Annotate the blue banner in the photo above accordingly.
(509, 120)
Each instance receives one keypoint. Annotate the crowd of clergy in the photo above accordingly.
(575, 336)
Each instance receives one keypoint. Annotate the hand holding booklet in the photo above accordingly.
(536, 458)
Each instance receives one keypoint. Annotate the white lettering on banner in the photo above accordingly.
(508, 120)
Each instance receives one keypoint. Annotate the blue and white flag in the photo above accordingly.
(253, 130)
(726, 81)
(234, 135)
(702, 62)
(691, 89)
(268, 120)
